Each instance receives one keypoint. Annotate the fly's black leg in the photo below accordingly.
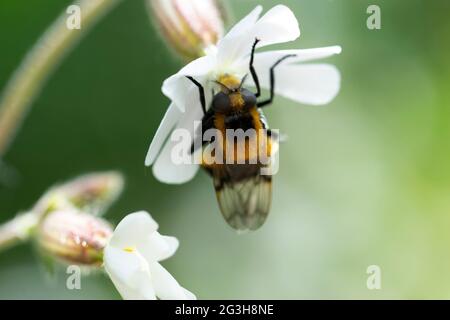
(207, 123)
(272, 81)
(201, 92)
(253, 71)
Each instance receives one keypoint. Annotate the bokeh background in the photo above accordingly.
(363, 181)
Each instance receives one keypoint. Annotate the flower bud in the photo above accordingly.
(92, 193)
(74, 237)
(189, 26)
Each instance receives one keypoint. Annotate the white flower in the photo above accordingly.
(132, 258)
(314, 84)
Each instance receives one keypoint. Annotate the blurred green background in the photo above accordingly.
(363, 181)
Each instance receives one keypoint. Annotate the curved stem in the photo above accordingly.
(38, 64)
(17, 230)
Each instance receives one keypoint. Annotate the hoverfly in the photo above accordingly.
(243, 193)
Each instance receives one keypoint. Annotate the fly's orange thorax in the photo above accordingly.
(229, 81)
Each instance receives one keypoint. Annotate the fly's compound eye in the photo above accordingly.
(249, 98)
(221, 103)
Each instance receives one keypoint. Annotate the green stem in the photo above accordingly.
(28, 80)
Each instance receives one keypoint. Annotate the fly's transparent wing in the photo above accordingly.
(244, 204)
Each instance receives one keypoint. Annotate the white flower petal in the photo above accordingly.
(138, 231)
(172, 116)
(247, 22)
(134, 229)
(276, 26)
(166, 287)
(264, 60)
(130, 274)
(177, 87)
(172, 244)
(164, 169)
(157, 247)
(314, 84)
(189, 295)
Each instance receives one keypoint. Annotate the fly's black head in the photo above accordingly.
(233, 98)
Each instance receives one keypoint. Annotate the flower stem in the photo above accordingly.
(17, 230)
(42, 59)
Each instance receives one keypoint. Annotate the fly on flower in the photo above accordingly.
(243, 189)
(217, 80)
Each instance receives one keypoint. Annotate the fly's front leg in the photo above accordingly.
(253, 71)
(201, 91)
(207, 123)
(272, 81)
